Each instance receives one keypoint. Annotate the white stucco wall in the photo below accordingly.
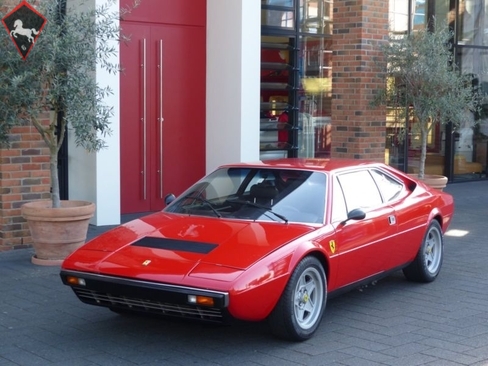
(232, 104)
(96, 176)
(233, 81)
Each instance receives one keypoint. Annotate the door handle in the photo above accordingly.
(160, 118)
(392, 219)
(143, 117)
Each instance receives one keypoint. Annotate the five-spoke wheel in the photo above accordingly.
(428, 262)
(302, 304)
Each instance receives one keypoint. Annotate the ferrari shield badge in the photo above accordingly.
(332, 246)
(24, 25)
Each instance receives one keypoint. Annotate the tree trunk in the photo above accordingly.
(423, 151)
(53, 166)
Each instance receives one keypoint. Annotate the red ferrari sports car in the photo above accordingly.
(270, 240)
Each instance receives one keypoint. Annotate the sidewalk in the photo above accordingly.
(391, 323)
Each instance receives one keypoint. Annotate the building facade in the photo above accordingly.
(187, 99)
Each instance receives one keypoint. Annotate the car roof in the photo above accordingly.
(316, 164)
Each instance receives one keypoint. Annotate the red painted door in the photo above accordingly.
(364, 246)
(162, 113)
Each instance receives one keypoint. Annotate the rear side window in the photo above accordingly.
(390, 188)
(360, 190)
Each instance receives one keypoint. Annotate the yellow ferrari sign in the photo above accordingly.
(332, 246)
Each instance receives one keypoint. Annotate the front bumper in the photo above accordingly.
(124, 294)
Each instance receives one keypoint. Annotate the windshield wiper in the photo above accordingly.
(203, 200)
(258, 205)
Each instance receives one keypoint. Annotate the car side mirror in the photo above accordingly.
(169, 198)
(356, 214)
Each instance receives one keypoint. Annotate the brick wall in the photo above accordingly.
(358, 130)
(24, 176)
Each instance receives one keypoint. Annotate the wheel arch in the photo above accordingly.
(316, 252)
(437, 216)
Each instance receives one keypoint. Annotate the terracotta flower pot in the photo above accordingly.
(57, 232)
(432, 180)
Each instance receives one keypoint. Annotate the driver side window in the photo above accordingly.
(360, 190)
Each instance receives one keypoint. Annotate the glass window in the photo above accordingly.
(288, 3)
(360, 190)
(471, 138)
(398, 16)
(296, 78)
(472, 22)
(256, 194)
(390, 188)
(316, 16)
(278, 18)
(315, 97)
(419, 18)
(339, 210)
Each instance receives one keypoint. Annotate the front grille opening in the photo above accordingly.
(149, 306)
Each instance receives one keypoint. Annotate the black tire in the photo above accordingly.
(299, 311)
(428, 262)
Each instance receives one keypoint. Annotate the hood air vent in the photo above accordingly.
(176, 245)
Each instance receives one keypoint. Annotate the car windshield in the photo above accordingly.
(267, 194)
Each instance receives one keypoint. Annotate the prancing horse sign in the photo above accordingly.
(24, 24)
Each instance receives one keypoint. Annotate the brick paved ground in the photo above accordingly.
(391, 323)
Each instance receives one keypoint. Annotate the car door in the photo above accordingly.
(362, 246)
(410, 224)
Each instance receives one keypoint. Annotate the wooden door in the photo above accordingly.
(162, 113)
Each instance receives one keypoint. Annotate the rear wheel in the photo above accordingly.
(428, 262)
(301, 306)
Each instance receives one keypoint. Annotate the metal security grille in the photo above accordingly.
(149, 306)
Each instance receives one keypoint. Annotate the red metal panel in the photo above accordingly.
(182, 50)
(192, 12)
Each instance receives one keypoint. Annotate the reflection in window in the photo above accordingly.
(314, 134)
(360, 190)
(277, 2)
(339, 211)
(472, 23)
(398, 16)
(316, 16)
(390, 188)
(471, 139)
(419, 19)
(278, 18)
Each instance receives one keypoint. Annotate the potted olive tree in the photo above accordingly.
(424, 84)
(52, 88)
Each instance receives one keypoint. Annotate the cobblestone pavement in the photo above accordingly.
(394, 322)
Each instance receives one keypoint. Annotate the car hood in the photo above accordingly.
(175, 245)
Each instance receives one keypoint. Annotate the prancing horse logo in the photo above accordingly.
(19, 29)
(332, 246)
(24, 25)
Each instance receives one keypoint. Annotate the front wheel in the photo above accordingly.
(301, 306)
(428, 262)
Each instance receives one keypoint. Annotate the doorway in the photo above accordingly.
(162, 111)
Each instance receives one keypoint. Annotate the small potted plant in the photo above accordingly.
(56, 79)
(425, 85)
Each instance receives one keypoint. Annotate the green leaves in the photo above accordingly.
(59, 76)
(423, 75)
(59, 73)
(424, 84)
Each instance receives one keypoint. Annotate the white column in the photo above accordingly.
(233, 77)
(95, 177)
